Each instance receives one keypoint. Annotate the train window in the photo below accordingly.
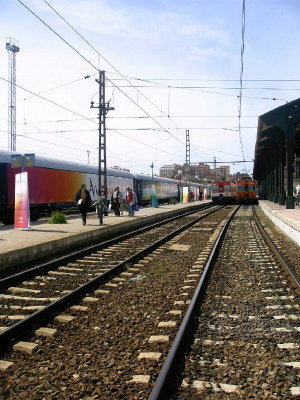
(226, 188)
(240, 188)
(215, 188)
(251, 188)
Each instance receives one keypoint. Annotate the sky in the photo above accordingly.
(170, 67)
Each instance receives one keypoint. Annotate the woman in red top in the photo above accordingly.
(131, 200)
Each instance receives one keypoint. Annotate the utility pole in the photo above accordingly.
(187, 154)
(103, 110)
(12, 48)
(152, 202)
(215, 167)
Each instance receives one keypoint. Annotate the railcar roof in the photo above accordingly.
(155, 178)
(197, 184)
(219, 181)
(44, 162)
(246, 180)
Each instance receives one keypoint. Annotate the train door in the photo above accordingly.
(137, 188)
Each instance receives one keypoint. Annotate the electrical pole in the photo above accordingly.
(103, 110)
(152, 202)
(215, 167)
(187, 154)
(12, 48)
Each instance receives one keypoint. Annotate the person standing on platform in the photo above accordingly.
(83, 201)
(116, 201)
(131, 200)
(122, 207)
(100, 208)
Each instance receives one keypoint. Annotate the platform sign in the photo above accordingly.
(185, 194)
(29, 160)
(22, 215)
(22, 160)
(16, 161)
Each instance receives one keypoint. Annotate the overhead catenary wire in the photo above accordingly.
(138, 141)
(73, 48)
(97, 68)
(208, 80)
(117, 87)
(111, 65)
(154, 84)
(51, 101)
(150, 146)
(82, 117)
(69, 110)
(233, 128)
(67, 147)
(241, 77)
(62, 85)
(57, 34)
(137, 117)
(212, 87)
(56, 104)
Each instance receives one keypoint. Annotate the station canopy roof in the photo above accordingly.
(273, 129)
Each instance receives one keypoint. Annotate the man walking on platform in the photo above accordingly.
(116, 201)
(83, 201)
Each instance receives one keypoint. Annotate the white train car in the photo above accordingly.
(164, 189)
(53, 184)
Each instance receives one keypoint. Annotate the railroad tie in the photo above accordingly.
(4, 365)
(25, 347)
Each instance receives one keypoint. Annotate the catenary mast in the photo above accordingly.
(12, 48)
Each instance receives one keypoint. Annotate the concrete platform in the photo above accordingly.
(287, 220)
(49, 240)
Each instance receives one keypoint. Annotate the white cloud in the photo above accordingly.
(196, 41)
(203, 32)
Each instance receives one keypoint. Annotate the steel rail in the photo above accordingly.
(163, 379)
(45, 267)
(28, 324)
(279, 255)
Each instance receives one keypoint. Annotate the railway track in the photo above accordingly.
(32, 295)
(118, 339)
(245, 342)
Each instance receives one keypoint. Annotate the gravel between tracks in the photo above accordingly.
(246, 345)
(288, 247)
(96, 355)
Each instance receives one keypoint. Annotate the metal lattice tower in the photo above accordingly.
(187, 154)
(12, 48)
